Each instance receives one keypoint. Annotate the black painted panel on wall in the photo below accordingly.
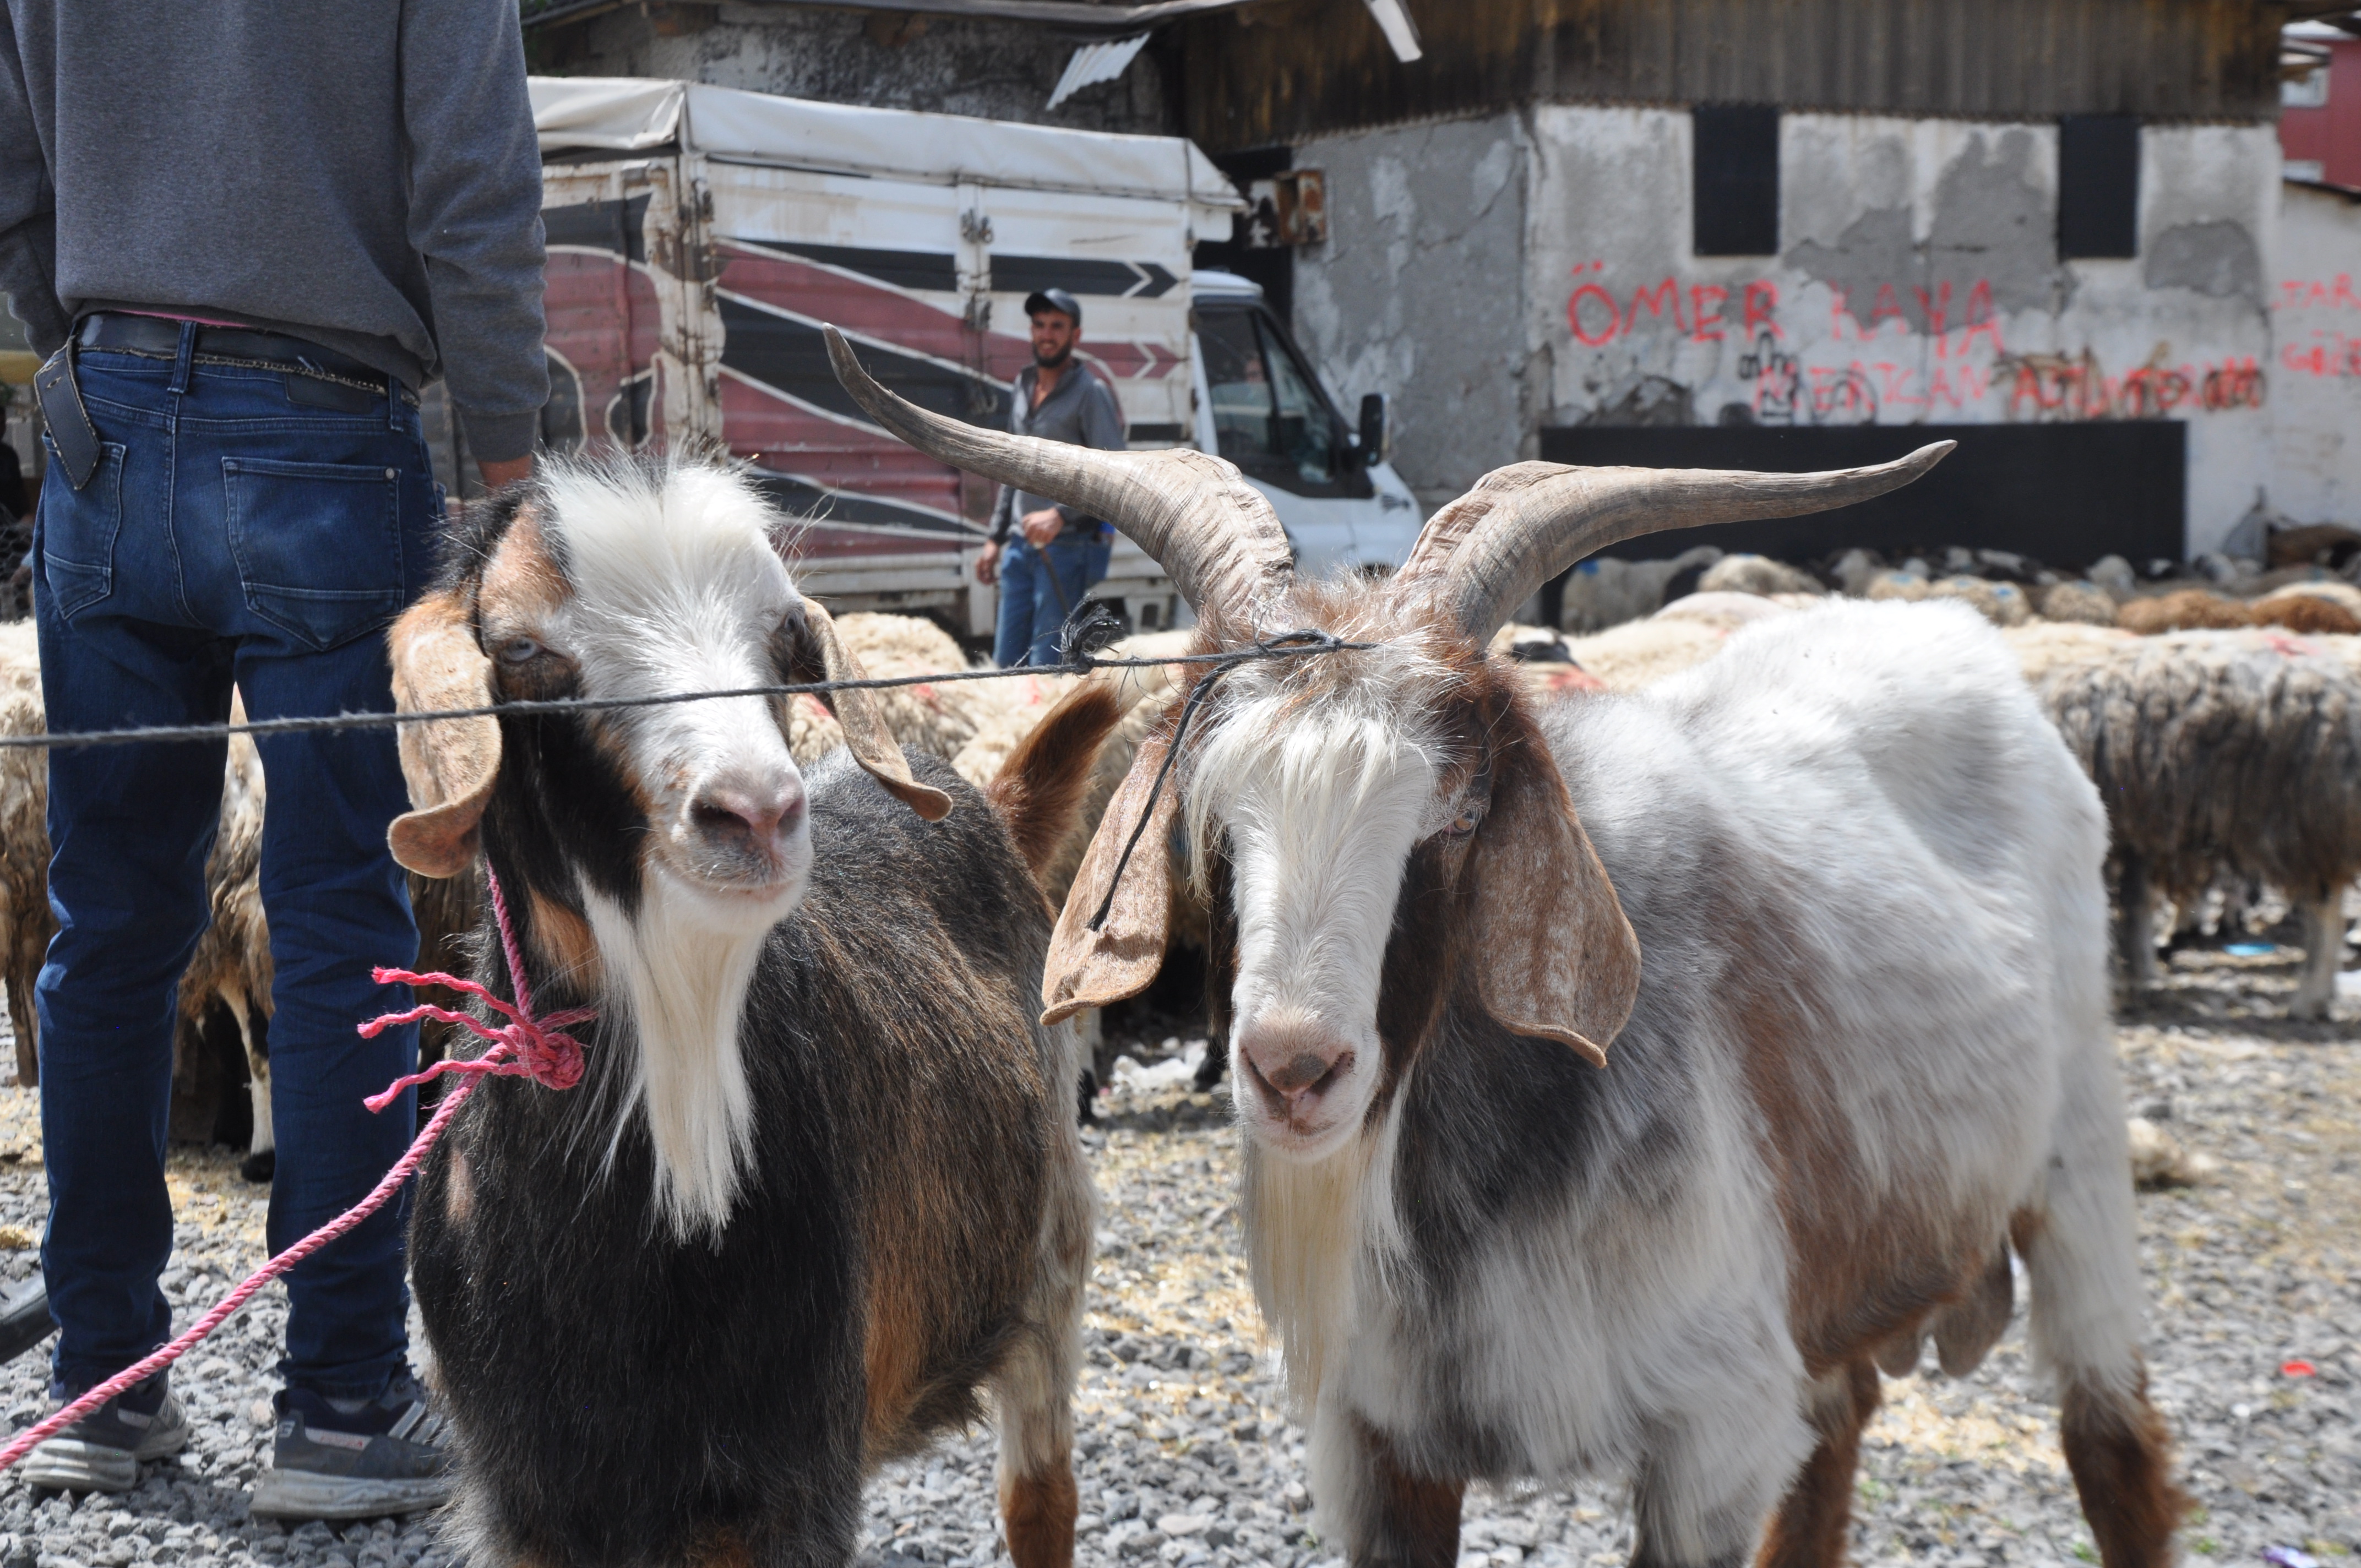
(2064, 493)
(2098, 185)
(1734, 151)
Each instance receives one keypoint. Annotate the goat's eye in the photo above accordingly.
(519, 650)
(1470, 816)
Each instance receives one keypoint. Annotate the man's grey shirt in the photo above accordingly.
(1080, 412)
(361, 173)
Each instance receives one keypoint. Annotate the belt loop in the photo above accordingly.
(180, 359)
(392, 401)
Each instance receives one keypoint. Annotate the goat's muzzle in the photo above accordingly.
(1292, 1068)
(749, 831)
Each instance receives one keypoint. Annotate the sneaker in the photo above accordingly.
(378, 1460)
(103, 1451)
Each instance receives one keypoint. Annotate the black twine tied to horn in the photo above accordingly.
(1306, 641)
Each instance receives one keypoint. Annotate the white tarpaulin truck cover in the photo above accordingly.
(623, 114)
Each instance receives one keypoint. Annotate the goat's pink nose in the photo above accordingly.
(760, 814)
(1289, 1060)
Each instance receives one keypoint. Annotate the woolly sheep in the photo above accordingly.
(2221, 752)
(1900, 584)
(2079, 601)
(1605, 591)
(1757, 575)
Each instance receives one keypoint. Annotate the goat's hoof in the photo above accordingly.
(260, 1167)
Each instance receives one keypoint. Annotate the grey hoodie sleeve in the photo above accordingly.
(474, 214)
(29, 218)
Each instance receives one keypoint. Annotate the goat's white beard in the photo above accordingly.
(683, 981)
(1311, 1227)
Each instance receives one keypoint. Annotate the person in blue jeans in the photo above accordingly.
(1046, 556)
(242, 271)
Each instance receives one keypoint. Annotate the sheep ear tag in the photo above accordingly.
(449, 765)
(1557, 960)
(1090, 968)
(820, 655)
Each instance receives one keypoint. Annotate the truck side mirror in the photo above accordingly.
(1373, 428)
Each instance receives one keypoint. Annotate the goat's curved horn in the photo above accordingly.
(1495, 546)
(1214, 534)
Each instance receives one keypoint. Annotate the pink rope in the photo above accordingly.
(522, 1048)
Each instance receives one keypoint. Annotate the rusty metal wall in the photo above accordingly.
(1281, 71)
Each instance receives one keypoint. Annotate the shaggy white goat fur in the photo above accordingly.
(1862, 796)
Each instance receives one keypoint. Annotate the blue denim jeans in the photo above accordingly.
(1031, 611)
(231, 532)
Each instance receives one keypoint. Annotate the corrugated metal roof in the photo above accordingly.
(1284, 71)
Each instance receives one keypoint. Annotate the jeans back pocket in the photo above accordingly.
(318, 545)
(77, 528)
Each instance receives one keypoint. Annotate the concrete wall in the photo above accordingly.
(2316, 370)
(1917, 282)
(1000, 71)
(1416, 292)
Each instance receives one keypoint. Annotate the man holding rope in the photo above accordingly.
(246, 235)
(1055, 553)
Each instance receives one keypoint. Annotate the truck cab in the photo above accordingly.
(1260, 405)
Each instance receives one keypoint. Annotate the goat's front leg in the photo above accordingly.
(1709, 1478)
(1390, 1515)
(1810, 1531)
(2323, 950)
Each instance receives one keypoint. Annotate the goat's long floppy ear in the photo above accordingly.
(1556, 958)
(450, 764)
(1091, 969)
(821, 656)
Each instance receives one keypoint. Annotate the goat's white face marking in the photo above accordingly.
(649, 583)
(680, 590)
(1322, 812)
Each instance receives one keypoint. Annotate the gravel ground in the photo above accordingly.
(1185, 1453)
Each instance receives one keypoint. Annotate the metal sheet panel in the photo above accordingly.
(1287, 71)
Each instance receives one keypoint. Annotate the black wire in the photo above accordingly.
(1287, 643)
(1275, 648)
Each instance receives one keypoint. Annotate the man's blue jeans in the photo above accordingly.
(230, 533)
(1030, 609)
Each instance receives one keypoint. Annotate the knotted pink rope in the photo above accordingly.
(525, 1046)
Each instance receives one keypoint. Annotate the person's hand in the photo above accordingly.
(497, 475)
(987, 566)
(1042, 527)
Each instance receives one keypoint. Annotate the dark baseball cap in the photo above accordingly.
(1057, 299)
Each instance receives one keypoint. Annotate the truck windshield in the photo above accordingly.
(1268, 415)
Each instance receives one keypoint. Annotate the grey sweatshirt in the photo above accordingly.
(362, 173)
(1079, 411)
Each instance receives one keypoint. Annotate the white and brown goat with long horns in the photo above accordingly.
(1623, 1085)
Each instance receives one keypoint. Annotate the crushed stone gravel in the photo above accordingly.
(1186, 1456)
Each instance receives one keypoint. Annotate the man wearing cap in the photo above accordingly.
(1056, 553)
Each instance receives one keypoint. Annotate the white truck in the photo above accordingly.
(698, 237)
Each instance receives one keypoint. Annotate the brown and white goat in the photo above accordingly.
(820, 1182)
(1832, 899)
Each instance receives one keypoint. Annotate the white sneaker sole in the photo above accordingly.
(68, 1465)
(308, 1495)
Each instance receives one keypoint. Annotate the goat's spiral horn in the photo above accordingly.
(1495, 546)
(1214, 534)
